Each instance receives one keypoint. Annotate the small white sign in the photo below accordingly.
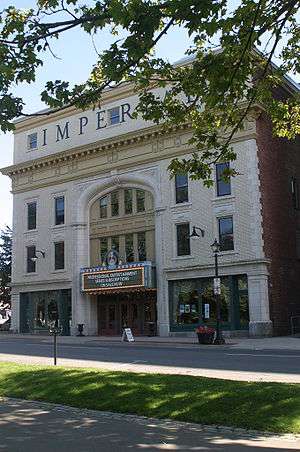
(206, 310)
(127, 335)
(217, 286)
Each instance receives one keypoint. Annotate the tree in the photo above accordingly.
(220, 87)
(5, 263)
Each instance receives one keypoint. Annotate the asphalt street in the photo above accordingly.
(181, 357)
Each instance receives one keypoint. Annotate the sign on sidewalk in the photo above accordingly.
(127, 335)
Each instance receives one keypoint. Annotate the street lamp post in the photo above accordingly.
(217, 291)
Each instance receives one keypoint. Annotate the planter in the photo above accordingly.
(206, 338)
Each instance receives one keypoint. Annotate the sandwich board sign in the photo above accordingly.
(127, 335)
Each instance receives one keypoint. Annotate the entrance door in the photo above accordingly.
(107, 315)
(137, 312)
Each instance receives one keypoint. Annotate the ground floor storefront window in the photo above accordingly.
(192, 303)
(40, 309)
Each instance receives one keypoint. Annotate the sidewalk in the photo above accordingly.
(268, 343)
(34, 426)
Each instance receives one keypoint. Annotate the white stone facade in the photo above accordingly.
(136, 155)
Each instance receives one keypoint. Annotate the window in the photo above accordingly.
(103, 207)
(31, 215)
(31, 266)
(223, 187)
(103, 248)
(128, 201)
(140, 201)
(32, 141)
(115, 243)
(295, 193)
(226, 233)
(114, 116)
(183, 239)
(141, 237)
(59, 255)
(115, 204)
(181, 188)
(59, 210)
(129, 252)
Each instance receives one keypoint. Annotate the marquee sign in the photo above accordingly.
(97, 279)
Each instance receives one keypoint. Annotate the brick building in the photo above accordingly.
(101, 233)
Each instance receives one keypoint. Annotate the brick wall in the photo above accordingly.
(279, 161)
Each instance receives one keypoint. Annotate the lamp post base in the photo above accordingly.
(219, 341)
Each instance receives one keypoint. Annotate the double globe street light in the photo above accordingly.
(216, 248)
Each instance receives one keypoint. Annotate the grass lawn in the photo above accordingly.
(262, 406)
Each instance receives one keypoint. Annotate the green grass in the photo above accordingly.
(261, 406)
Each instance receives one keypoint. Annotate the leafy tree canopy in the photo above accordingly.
(223, 85)
(5, 263)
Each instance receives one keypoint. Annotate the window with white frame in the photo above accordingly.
(226, 233)
(114, 116)
(222, 181)
(32, 141)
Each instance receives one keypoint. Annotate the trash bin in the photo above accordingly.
(151, 329)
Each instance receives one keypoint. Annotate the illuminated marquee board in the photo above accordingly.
(103, 279)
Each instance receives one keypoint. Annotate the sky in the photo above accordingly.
(76, 55)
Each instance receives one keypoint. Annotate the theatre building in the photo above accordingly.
(101, 234)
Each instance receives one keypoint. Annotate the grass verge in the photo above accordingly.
(261, 406)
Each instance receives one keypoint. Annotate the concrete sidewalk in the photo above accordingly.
(268, 343)
(35, 426)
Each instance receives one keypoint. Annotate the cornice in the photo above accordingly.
(92, 149)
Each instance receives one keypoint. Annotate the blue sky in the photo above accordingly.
(77, 55)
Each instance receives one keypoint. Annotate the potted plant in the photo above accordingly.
(206, 335)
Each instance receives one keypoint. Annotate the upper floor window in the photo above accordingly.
(32, 141)
(115, 243)
(128, 201)
(114, 116)
(140, 201)
(60, 210)
(226, 233)
(295, 193)
(30, 264)
(114, 203)
(59, 255)
(141, 238)
(103, 207)
(181, 188)
(103, 249)
(129, 250)
(183, 239)
(223, 186)
(31, 215)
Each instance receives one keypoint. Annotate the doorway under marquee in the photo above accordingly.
(131, 309)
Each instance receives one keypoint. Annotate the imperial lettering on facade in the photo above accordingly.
(99, 224)
(104, 118)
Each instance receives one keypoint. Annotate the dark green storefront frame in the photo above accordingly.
(234, 312)
(28, 301)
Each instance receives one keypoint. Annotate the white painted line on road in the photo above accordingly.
(139, 361)
(262, 355)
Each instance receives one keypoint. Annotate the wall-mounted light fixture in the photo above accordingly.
(195, 235)
(35, 257)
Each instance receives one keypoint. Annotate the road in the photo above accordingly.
(36, 426)
(220, 362)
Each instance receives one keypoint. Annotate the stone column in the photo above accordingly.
(82, 306)
(163, 325)
(260, 323)
(15, 312)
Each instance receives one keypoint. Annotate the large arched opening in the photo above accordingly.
(122, 260)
